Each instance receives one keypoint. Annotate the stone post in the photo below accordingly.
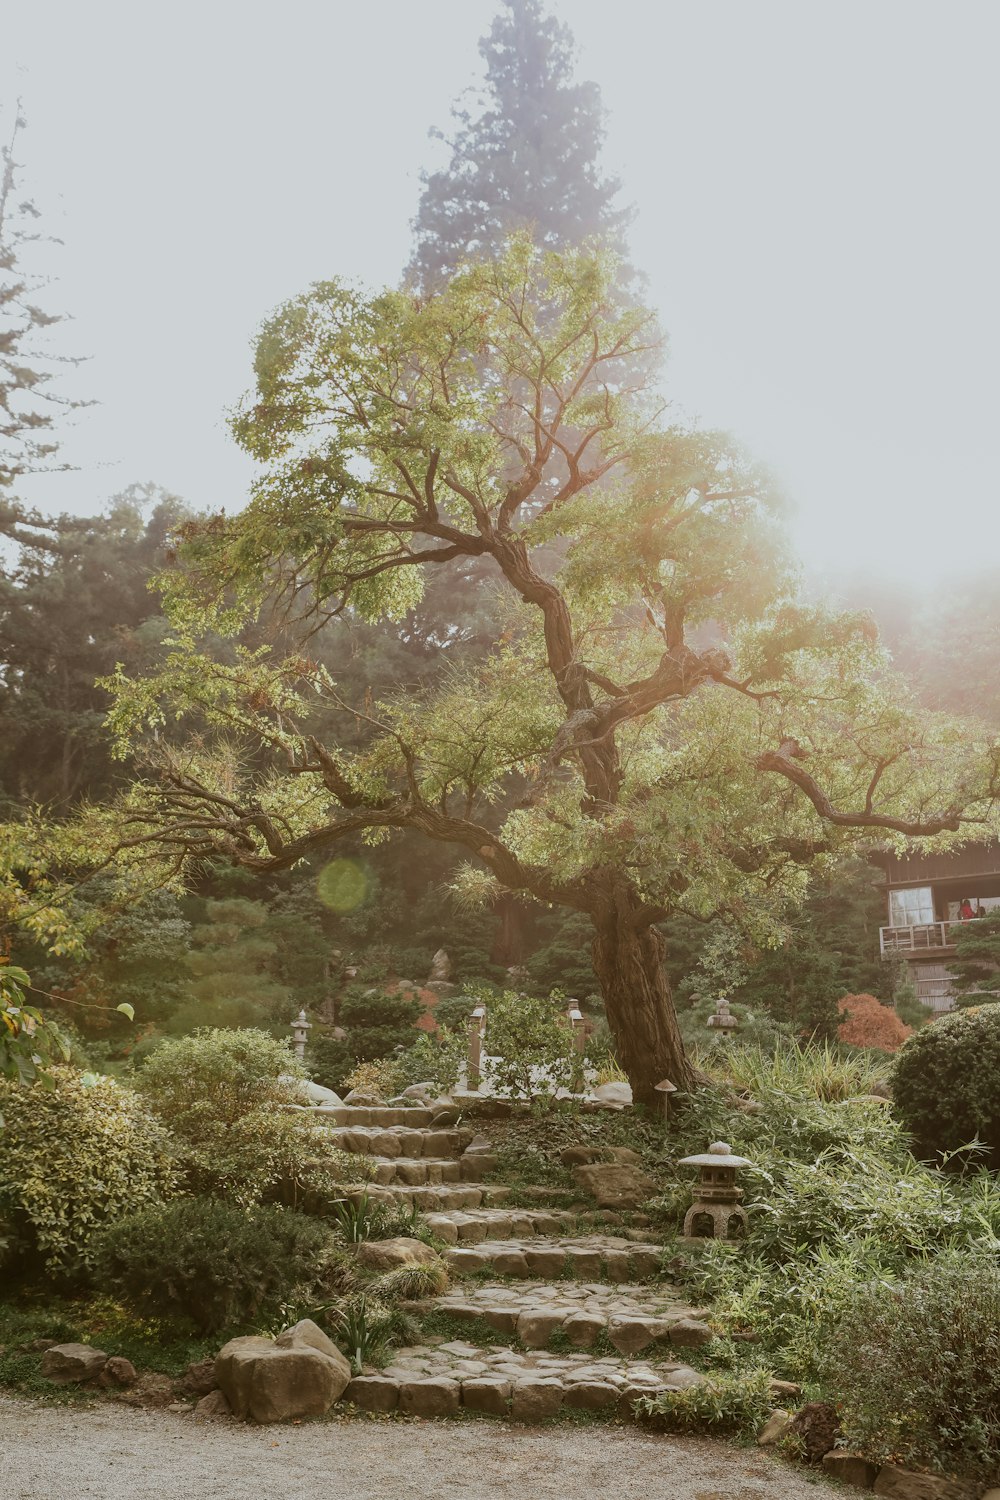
(300, 1035)
(477, 1030)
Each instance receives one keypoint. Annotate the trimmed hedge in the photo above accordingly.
(945, 1084)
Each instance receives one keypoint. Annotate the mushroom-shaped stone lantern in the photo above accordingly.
(722, 1020)
(300, 1034)
(716, 1212)
(665, 1088)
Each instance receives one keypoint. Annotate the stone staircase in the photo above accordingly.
(581, 1297)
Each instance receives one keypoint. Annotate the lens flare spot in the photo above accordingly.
(343, 885)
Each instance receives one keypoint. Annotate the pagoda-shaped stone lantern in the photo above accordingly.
(722, 1020)
(716, 1212)
(300, 1034)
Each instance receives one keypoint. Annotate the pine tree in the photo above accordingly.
(527, 158)
(30, 401)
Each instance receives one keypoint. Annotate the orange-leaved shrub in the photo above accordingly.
(868, 1023)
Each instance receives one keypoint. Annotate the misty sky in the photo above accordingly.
(817, 216)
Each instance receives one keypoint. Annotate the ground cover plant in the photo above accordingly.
(843, 1219)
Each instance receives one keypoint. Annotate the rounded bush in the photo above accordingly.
(213, 1263)
(224, 1096)
(944, 1083)
(73, 1157)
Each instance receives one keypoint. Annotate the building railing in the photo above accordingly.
(920, 938)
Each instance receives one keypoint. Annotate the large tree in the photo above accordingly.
(31, 399)
(525, 157)
(680, 735)
(74, 601)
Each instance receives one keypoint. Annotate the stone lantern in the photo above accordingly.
(722, 1020)
(300, 1034)
(716, 1212)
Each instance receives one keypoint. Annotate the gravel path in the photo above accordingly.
(114, 1452)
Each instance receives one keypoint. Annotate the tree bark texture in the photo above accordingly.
(629, 964)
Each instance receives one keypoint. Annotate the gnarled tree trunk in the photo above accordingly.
(628, 961)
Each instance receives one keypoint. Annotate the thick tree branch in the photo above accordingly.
(782, 762)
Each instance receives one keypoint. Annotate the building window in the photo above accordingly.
(912, 908)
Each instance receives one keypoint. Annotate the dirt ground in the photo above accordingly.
(117, 1453)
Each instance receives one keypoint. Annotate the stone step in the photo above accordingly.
(414, 1171)
(385, 1116)
(472, 1227)
(632, 1317)
(428, 1199)
(440, 1380)
(583, 1258)
(400, 1140)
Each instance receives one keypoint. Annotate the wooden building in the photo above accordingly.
(924, 898)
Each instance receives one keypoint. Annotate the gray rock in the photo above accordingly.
(683, 1378)
(316, 1093)
(591, 1395)
(487, 1394)
(213, 1405)
(535, 1328)
(854, 1469)
(366, 1101)
(582, 1329)
(420, 1091)
(373, 1393)
(434, 1397)
(118, 1372)
(199, 1378)
(386, 1255)
(902, 1484)
(614, 1093)
(689, 1333)
(774, 1428)
(615, 1184)
(71, 1364)
(535, 1398)
(301, 1374)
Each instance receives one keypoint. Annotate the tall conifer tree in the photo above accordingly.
(526, 158)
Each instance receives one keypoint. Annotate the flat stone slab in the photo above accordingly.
(634, 1317)
(439, 1379)
(586, 1257)
(427, 1199)
(410, 1140)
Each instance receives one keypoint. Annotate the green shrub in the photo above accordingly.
(72, 1158)
(530, 1045)
(915, 1369)
(945, 1083)
(224, 1096)
(436, 1057)
(725, 1403)
(213, 1263)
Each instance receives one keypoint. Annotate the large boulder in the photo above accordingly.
(70, 1364)
(902, 1484)
(300, 1374)
(615, 1184)
(386, 1255)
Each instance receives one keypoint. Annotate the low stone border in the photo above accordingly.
(445, 1380)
